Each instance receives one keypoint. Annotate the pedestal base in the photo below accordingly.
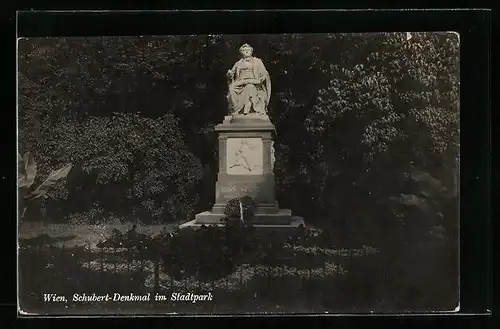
(281, 217)
(246, 170)
(295, 223)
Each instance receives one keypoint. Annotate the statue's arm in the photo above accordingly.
(268, 88)
(263, 74)
(264, 79)
(231, 74)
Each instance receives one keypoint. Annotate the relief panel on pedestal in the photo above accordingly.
(244, 156)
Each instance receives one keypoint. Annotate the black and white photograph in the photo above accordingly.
(224, 174)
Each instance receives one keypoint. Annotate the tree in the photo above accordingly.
(388, 121)
(132, 164)
(388, 104)
(68, 96)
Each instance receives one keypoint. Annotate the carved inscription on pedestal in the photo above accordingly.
(244, 156)
(233, 191)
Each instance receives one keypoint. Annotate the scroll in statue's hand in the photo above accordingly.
(246, 82)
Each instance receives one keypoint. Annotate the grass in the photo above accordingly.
(82, 235)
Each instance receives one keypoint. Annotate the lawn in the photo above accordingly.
(285, 280)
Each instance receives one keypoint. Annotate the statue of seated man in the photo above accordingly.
(249, 84)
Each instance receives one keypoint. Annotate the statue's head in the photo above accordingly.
(246, 50)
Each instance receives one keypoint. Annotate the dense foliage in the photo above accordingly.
(128, 165)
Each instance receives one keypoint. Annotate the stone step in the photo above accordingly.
(282, 217)
(295, 223)
(261, 209)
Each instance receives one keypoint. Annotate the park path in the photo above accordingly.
(83, 235)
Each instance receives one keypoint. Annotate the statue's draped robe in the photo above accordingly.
(256, 94)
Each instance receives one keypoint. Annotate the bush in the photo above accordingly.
(233, 208)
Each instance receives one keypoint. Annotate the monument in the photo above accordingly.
(246, 148)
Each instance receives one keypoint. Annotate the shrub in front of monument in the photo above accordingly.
(249, 207)
(232, 210)
(239, 208)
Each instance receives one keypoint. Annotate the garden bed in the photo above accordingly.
(247, 271)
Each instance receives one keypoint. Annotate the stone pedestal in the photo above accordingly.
(246, 169)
